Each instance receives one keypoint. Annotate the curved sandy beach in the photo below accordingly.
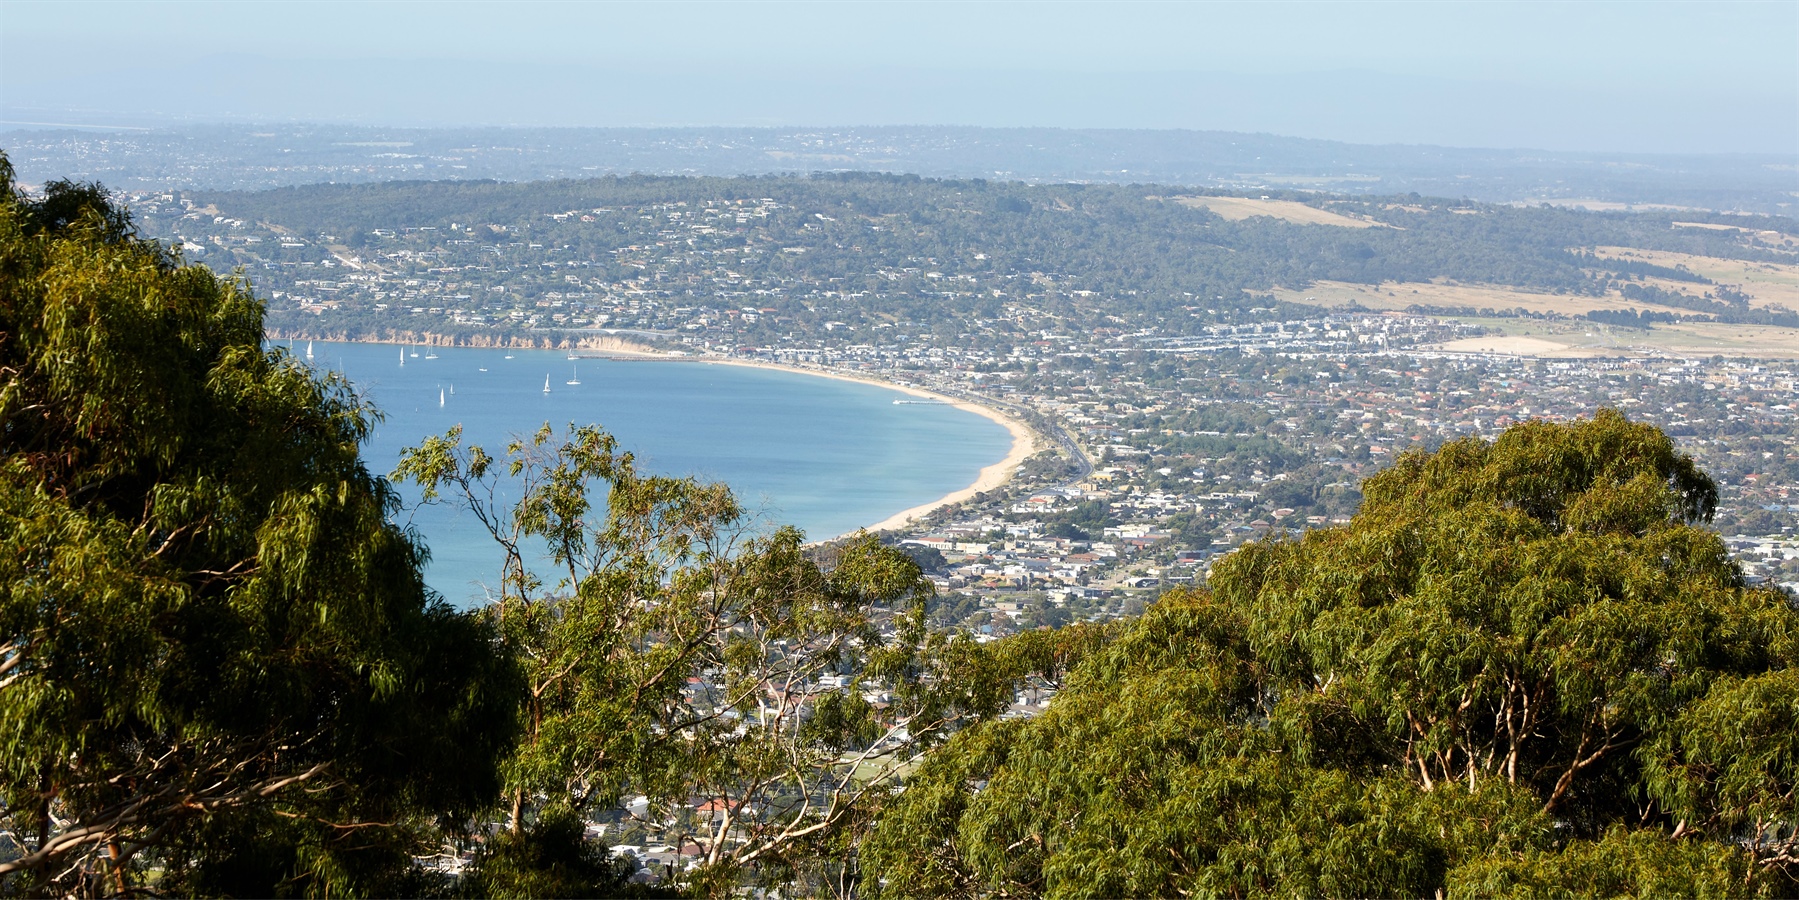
(1024, 441)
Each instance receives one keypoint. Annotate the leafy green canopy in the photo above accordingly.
(1521, 668)
(759, 695)
(218, 662)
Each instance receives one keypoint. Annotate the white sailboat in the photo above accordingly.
(430, 354)
(402, 357)
(577, 377)
(440, 397)
(415, 353)
(308, 349)
(546, 383)
(508, 356)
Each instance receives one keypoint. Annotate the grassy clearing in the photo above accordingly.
(1402, 294)
(1565, 338)
(1761, 341)
(1576, 339)
(1767, 284)
(1547, 339)
(1236, 209)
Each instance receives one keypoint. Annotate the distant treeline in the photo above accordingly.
(1631, 318)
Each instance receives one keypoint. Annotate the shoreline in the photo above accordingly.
(609, 345)
(1024, 440)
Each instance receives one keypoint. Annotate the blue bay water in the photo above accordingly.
(825, 455)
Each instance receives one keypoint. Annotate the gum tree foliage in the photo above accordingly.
(759, 695)
(220, 671)
(551, 857)
(1523, 667)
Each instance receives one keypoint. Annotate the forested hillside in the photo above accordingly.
(1520, 669)
(1017, 225)
(219, 664)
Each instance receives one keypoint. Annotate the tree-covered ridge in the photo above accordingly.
(1523, 667)
(218, 650)
(884, 248)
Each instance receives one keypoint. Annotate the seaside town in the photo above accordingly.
(1151, 466)
(1145, 445)
(1161, 443)
(1178, 482)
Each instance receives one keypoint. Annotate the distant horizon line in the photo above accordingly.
(246, 123)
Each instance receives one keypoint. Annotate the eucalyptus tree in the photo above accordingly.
(220, 671)
(759, 695)
(1524, 666)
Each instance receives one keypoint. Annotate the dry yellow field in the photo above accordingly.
(1548, 339)
(1765, 283)
(1506, 343)
(1236, 209)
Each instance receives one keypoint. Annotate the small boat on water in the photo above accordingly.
(440, 397)
(308, 349)
(430, 354)
(402, 357)
(577, 377)
(546, 383)
(415, 353)
(508, 356)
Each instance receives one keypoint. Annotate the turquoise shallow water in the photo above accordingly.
(828, 456)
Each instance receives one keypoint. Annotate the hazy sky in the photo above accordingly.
(1656, 77)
